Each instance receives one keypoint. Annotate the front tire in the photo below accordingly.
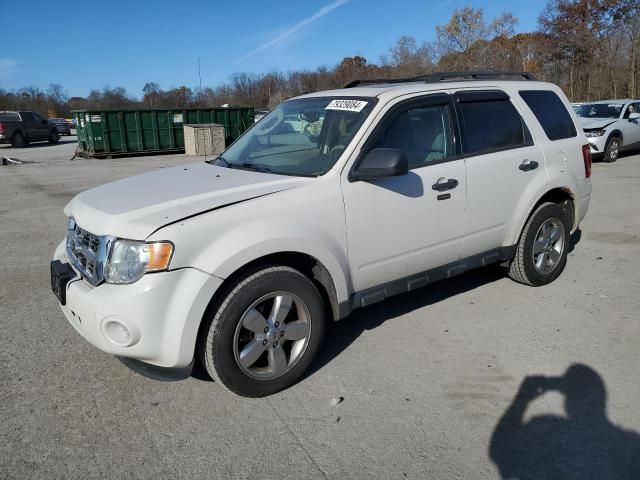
(612, 149)
(541, 253)
(263, 333)
(54, 137)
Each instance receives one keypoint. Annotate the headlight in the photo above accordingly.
(130, 260)
(594, 133)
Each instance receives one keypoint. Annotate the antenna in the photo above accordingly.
(199, 76)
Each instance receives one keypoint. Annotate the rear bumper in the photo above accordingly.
(584, 197)
(161, 314)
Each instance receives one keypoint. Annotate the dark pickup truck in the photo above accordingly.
(21, 128)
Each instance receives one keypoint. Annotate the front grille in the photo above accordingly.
(87, 252)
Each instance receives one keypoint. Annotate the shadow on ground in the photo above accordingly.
(583, 444)
(346, 331)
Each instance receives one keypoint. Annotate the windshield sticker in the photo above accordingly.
(347, 105)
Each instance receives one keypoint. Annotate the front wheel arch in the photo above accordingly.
(308, 265)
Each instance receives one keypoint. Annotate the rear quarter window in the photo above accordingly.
(550, 112)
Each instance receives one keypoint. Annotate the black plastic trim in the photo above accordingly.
(445, 76)
(381, 292)
(155, 372)
(467, 96)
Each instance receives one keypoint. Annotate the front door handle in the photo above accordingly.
(528, 165)
(445, 184)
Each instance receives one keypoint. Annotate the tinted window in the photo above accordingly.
(422, 132)
(550, 112)
(491, 125)
(36, 118)
(600, 110)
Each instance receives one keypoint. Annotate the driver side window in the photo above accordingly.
(632, 108)
(422, 132)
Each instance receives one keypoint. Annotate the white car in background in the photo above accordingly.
(612, 126)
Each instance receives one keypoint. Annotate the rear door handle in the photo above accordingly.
(445, 184)
(527, 165)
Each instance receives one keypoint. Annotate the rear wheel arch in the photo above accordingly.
(559, 195)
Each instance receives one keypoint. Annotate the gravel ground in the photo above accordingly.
(424, 385)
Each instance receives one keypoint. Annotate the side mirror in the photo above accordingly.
(634, 116)
(381, 163)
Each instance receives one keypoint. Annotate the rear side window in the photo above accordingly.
(490, 122)
(550, 112)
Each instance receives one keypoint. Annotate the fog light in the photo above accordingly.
(117, 333)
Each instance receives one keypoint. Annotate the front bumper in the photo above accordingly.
(161, 313)
(597, 144)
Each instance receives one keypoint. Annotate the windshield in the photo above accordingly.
(302, 137)
(600, 110)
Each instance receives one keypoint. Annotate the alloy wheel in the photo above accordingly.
(548, 246)
(272, 335)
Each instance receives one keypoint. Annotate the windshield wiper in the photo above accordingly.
(251, 166)
(221, 158)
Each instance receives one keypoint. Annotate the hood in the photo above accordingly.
(596, 122)
(137, 206)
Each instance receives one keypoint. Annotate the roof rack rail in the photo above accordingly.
(445, 76)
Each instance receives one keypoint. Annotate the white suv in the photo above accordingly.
(611, 126)
(239, 263)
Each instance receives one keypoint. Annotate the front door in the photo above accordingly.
(400, 226)
(630, 127)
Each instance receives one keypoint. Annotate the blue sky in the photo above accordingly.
(90, 44)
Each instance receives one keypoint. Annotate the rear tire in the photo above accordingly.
(612, 149)
(18, 140)
(541, 253)
(263, 332)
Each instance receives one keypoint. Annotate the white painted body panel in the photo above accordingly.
(396, 226)
(134, 207)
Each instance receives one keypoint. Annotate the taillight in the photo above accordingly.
(3, 128)
(586, 156)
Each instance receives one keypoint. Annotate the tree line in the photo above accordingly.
(590, 48)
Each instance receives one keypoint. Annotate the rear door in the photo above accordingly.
(400, 226)
(501, 161)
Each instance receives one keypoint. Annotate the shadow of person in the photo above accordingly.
(582, 445)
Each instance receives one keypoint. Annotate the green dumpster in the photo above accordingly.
(103, 133)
